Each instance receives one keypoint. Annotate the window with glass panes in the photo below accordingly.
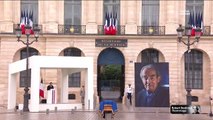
(150, 13)
(195, 9)
(112, 8)
(72, 12)
(23, 74)
(74, 80)
(150, 56)
(30, 7)
(194, 69)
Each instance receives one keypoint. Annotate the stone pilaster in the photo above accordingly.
(7, 22)
(51, 14)
(211, 18)
(91, 24)
(172, 13)
(131, 10)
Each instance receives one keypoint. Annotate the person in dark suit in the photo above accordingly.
(153, 95)
(50, 86)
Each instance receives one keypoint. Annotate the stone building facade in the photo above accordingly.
(53, 43)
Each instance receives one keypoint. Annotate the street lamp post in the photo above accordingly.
(28, 30)
(188, 43)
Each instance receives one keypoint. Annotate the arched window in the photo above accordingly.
(75, 78)
(23, 74)
(194, 69)
(150, 56)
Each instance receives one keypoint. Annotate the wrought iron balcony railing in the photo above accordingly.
(120, 30)
(151, 30)
(71, 29)
(141, 30)
(206, 30)
(34, 25)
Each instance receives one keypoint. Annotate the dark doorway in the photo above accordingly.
(110, 79)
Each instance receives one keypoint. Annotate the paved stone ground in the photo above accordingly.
(125, 112)
(93, 115)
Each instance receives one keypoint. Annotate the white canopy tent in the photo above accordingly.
(67, 64)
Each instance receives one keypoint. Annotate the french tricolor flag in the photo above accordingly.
(41, 89)
(110, 27)
(196, 20)
(26, 19)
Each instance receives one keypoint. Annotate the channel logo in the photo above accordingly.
(185, 109)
